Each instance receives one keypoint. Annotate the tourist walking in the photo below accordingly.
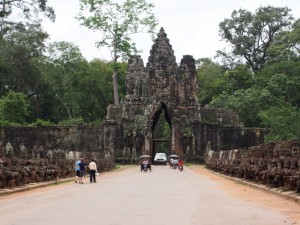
(82, 171)
(77, 170)
(93, 171)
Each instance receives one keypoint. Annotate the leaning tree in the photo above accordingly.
(117, 21)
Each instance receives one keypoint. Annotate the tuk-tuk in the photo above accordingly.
(145, 163)
(173, 161)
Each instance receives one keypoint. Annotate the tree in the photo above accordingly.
(276, 85)
(283, 122)
(210, 79)
(118, 22)
(13, 107)
(251, 35)
(64, 76)
(29, 9)
(286, 44)
(20, 53)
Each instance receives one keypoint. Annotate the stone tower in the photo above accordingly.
(163, 86)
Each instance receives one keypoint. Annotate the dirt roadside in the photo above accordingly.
(251, 194)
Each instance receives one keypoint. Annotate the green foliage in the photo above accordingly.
(5, 123)
(13, 107)
(28, 10)
(74, 121)
(80, 89)
(162, 128)
(277, 84)
(214, 80)
(251, 35)
(20, 54)
(286, 44)
(283, 121)
(118, 21)
(41, 123)
(210, 80)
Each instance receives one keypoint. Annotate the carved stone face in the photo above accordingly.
(295, 149)
(282, 153)
(276, 152)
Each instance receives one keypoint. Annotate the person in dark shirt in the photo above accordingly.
(82, 171)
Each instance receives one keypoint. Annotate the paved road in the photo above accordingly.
(129, 197)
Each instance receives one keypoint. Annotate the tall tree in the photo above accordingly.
(64, 75)
(210, 79)
(251, 35)
(18, 52)
(13, 107)
(118, 21)
(28, 9)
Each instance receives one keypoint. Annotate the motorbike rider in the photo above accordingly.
(171, 162)
(175, 162)
(146, 163)
(180, 163)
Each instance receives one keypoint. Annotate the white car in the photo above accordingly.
(160, 158)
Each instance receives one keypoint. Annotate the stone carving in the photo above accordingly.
(35, 152)
(9, 150)
(45, 165)
(276, 165)
(24, 152)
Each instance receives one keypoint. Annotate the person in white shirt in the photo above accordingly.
(93, 171)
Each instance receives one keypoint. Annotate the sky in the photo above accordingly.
(191, 25)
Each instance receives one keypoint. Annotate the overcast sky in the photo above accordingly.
(191, 25)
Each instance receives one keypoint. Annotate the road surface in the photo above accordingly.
(130, 197)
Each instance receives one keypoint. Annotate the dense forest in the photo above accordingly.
(258, 76)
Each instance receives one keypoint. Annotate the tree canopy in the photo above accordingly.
(28, 9)
(250, 36)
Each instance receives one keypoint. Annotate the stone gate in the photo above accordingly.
(165, 87)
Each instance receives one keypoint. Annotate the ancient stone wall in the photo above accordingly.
(276, 164)
(71, 138)
(37, 154)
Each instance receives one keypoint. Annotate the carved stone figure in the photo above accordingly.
(9, 150)
(35, 152)
(23, 152)
(42, 152)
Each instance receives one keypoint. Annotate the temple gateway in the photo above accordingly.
(164, 88)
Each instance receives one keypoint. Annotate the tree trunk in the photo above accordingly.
(2, 20)
(114, 78)
(115, 87)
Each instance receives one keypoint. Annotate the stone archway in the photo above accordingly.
(156, 139)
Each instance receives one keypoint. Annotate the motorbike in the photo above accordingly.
(144, 167)
(180, 168)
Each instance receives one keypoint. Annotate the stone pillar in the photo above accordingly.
(173, 139)
(147, 144)
(218, 138)
(193, 146)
